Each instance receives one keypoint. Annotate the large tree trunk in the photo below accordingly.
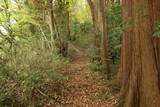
(139, 69)
(126, 50)
(156, 19)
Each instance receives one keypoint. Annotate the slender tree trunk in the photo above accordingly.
(63, 19)
(52, 28)
(51, 24)
(140, 86)
(101, 33)
(104, 30)
(97, 40)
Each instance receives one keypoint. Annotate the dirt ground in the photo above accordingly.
(82, 89)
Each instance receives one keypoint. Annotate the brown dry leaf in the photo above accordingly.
(84, 91)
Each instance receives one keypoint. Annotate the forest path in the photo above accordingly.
(83, 89)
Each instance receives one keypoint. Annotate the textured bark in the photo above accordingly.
(139, 69)
(126, 50)
(156, 19)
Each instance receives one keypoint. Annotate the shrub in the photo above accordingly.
(30, 76)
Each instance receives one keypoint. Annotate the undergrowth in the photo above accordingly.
(30, 76)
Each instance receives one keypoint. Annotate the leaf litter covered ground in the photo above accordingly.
(82, 89)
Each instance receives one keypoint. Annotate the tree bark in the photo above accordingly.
(156, 22)
(139, 69)
(126, 50)
(104, 38)
(97, 40)
(101, 33)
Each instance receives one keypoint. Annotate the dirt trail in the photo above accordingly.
(82, 90)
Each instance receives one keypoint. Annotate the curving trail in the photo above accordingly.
(82, 89)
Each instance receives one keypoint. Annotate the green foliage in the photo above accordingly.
(81, 33)
(30, 76)
(71, 53)
(85, 27)
(30, 69)
(81, 11)
(157, 29)
(115, 30)
(80, 29)
(91, 52)
(95, 66)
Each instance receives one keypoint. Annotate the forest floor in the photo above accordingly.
(84, 89)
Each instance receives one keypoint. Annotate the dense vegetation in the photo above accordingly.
(39, 40)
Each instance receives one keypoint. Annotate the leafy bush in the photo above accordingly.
(30, 76)
(157, 29)
(95, 66)
(91, 54)
(81, 33)
(115, 30)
